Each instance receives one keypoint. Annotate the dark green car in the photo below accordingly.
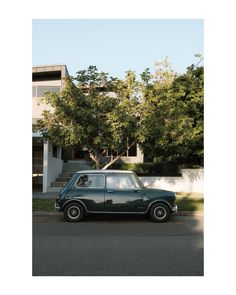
(113, 191)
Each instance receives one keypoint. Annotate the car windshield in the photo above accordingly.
(137, 181)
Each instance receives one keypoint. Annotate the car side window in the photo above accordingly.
(120, 182)
(91, 181)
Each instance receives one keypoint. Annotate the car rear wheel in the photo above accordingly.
(74, 212)
(159, 212)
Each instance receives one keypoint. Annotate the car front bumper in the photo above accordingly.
(174, 208)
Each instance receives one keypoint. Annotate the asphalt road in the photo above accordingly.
(118, 246)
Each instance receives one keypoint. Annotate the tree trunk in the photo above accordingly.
(117, 158)
(96, 159)
(97, 162)
(111, 162)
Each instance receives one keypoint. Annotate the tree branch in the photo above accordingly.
(111, 162)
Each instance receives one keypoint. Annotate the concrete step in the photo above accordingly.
(77, 168)
(67, 171)
(66, 174)
(54, 189)
(58, 184)
(62, 179)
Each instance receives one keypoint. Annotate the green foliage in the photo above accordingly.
(150, 168)
(189, 204)
(172, 114)
(163, 113)
(86, 114)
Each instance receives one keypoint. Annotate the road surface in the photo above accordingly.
(118, 246)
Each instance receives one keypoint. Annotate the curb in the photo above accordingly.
(180, 213)
(189, 213)
(42, 213)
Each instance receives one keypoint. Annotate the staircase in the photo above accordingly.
(67, 171)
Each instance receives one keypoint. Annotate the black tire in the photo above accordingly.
(74, 211)
(159, 212)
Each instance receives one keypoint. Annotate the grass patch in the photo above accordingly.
(190, 201)
(185, 202)
(46, 205)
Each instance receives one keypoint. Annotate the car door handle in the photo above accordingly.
(110, 191)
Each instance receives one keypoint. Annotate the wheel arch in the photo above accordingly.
(158, 202)
(74, 201)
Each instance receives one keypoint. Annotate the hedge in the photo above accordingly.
(150, 168)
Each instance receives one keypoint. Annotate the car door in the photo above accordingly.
(122, 194)
(89, 188)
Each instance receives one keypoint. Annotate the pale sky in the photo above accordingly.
(117, 45)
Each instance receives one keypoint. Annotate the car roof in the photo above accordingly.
(103, 171)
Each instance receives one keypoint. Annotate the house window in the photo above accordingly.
(42, 89)
(132, 152)
(111, 153)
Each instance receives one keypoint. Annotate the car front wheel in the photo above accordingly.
(159, 212)
(74, 212)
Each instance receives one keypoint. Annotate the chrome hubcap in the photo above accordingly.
(74, 212)
(160, 212)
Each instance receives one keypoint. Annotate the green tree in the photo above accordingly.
(163, 113)
(88, 114)
(172, 113)
(189, 89)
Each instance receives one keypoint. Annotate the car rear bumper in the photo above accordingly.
(57, 207)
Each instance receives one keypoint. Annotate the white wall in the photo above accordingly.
(52, 167)
(192, 180)
(37, 106)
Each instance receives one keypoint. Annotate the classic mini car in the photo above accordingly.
(113, 191)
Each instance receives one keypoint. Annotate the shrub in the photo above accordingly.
(150, 168)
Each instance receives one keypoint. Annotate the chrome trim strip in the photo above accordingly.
(116, 212)
(76, 200)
